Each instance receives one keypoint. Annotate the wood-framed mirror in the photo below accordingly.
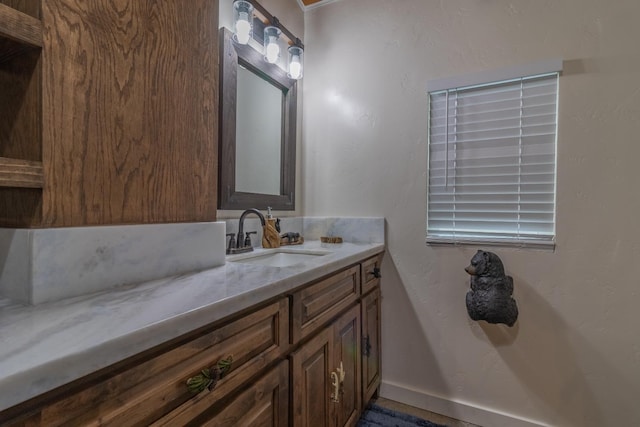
(257, 150)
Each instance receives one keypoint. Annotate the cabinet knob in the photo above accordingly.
(376, 273)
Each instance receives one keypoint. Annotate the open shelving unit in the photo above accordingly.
(19, 27)
(21, 162)
(20, 173)
(20, 44)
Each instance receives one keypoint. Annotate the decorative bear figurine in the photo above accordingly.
(490, 296)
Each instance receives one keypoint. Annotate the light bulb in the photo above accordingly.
(295, 62)
(273, 50)
(242, 21)
(243, 29)
(295, 68)
(271, 44)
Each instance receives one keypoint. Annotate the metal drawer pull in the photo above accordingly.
(366, 346)
(209, 377)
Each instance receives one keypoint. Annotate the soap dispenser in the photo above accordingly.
(270, 235)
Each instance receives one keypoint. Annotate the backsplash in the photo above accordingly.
(352, 230)
(43, 265)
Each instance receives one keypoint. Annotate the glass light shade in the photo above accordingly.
(272, 44)
(242, 21)
(295, 62)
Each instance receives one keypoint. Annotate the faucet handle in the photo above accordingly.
(232, 241)
(247, 239)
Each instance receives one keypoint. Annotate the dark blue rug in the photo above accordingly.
(376, 416)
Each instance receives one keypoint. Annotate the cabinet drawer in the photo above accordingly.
(317, 304)
(264, 403)
(149, 390)
(371, 273)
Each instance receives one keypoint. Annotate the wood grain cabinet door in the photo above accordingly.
(311, 366)
(347, 357)
(331, 357)
(370, 344)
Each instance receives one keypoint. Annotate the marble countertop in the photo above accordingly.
(48, 345)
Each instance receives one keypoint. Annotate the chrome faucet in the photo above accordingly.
(240, 247)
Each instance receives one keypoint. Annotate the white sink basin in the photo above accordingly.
(278, 258)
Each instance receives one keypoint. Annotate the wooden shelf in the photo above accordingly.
(20, 27)
(21, 173)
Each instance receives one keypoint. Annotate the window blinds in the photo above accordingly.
(492, 162)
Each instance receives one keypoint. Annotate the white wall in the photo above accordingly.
(573, 358)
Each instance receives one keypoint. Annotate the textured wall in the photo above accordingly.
(573, 358)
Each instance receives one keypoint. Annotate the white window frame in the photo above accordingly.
(480, 81)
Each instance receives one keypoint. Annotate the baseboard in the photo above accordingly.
(450, 408)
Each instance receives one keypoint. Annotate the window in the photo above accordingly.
(492, 158)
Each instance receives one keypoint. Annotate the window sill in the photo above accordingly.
(522, 244)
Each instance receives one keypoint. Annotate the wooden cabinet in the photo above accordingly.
(142, 391)
(21, 170)
(371, 273)
(109, 112)
(326, 375)
(371, 321)
(309, 358)
(371, 339)
(316, 304)
(265, 403)
(347, 358)
(311, 368)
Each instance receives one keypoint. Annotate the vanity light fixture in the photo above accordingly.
(296, 54)
(272, 44)
(242, 21)
(249, 14)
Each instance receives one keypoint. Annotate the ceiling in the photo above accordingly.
(314, 3)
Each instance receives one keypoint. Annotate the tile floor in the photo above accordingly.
(429, 416)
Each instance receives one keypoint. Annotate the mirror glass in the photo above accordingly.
(258, 134)
(257, 125)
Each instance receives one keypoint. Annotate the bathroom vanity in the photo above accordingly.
(296, 345)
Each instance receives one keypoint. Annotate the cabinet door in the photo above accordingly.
(311, 366)
(347, 356)
(333, 356)
(370, 344)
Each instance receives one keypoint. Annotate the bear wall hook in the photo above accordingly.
(490, 296)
